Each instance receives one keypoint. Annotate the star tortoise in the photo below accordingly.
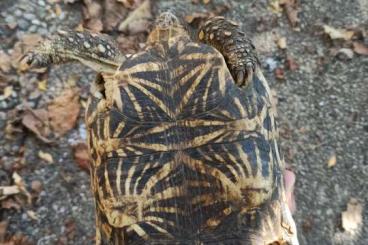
(182, 136)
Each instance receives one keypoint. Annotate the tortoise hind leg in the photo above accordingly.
(238, 51)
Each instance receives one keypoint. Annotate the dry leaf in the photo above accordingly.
(45, 156)
(360, 48)
(114, 12)
(63, 111)
(9, 203)
(5, 62)
(3, 229)
(138, 20)
(22, 187)
(331, 161)
(291, 64)
(291, 8)
(32, 215)
(92, 13)
(130, 4)
(8, 90)
(279, 73)
(42, 85)
(338, 33)
(8, 191)
(281, 43)
(352, 220)
(37, 122)
(81, 156)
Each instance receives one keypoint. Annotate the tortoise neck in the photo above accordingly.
(168, 35)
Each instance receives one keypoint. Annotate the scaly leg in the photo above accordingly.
(93, 50)
(238, 50)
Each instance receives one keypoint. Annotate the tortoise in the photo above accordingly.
(182, 136)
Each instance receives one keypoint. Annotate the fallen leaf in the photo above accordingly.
(291, 64)
(130, 4)
(281, 43)
(114, 11)
(42, 85)
(345, 54)
(63, 111)
(196, 16)
(37, 122)
(331, 161)
(45, 156)
(138, 20)
(8, 191)
(8, 90)
(32, 215)
(5, 62)
(360, 48)
(352, 220)
(22, 187)
(3, 229)
(338, 33)
(92, 13)
(279, 73)
(81, 156)
(9, 203)
(292, 9)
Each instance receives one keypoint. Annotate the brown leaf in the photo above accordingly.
(9, 203)
(22, 187)
(8, 191)
(37, 122)
(81, 156)
(46, 157)
(63, 111)
(352, 220)
(334, 33)
(360, 48)
(114, 12)
(3, 229)
(92, 13)
(279, 73)
(291, 8)
(130, 4)
(138, 20)
(5, 62)
(291, 63)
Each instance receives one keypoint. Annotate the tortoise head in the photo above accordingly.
(167, 28)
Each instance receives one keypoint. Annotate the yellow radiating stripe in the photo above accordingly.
(119, 129)
(167, 193)
(200, 56)
(233, 191)
(228, 166)
(135, 191)
(240, 107)
(160, 229)
(148, 83)
(118, 177)
(162, 173)
(107, 183)
(149, 66)
(158, 219)
(204, 139)
(134, 101)
(192, 88)
(173, 210)
(139, 231)
(244, 160)
(158, 129)
(129, 178)
(204, 200)
(153, 98)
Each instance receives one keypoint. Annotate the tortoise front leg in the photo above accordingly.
(238, 50)
(93, 50)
